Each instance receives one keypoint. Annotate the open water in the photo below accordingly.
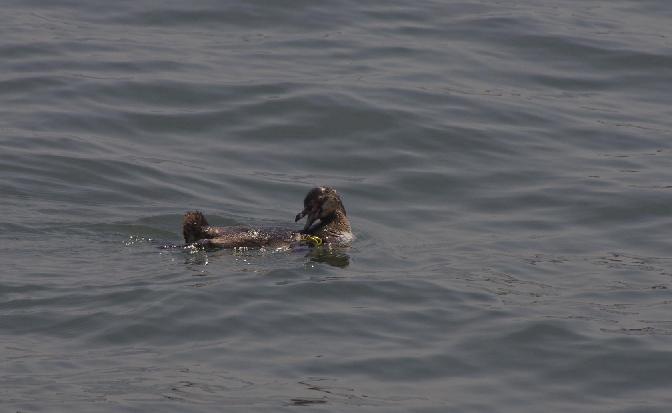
(507, 167)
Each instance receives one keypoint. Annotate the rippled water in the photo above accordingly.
(506, 167)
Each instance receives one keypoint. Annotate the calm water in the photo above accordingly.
(507, 167)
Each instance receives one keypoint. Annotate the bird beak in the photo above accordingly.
(313, 216)
(300, 215)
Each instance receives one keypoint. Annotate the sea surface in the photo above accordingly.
(506, 166)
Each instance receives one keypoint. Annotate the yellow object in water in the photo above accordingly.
(314, 240)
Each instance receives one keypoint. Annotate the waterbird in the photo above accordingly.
(326, 224)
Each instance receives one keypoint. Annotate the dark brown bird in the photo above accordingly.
(326, 223)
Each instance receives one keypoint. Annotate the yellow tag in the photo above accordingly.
(312, 239)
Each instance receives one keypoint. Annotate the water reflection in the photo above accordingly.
(332, 256)
(199, 254)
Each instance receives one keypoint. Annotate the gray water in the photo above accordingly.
(507, 168)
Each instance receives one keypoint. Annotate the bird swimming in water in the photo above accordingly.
(326, 223)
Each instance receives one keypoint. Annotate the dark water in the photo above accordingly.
(507, 167)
